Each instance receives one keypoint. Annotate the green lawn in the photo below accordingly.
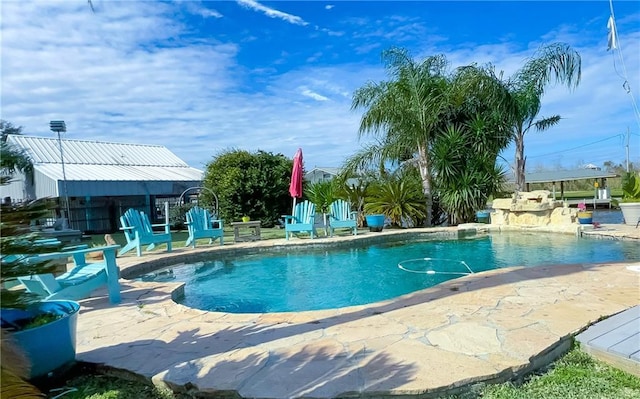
(577, 375)
(179, 237)
(574, 376)
(588, 194)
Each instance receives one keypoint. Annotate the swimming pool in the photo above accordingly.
(321, 278)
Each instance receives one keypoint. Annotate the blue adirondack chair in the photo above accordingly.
(138, 231)
(81, 280)
(342, 217)
(302, 220)
(201, 224)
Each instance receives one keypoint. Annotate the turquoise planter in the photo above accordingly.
(51, 346)
(375, 222)
(483, 217)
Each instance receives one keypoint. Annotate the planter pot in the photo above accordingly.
(483, 217)
(51, 346)
(585, 217)
(630, 212)
(375, 222)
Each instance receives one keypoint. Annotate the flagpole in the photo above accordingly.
(613, 43)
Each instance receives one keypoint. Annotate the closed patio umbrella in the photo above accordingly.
(295, 187)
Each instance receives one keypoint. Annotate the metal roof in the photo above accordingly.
(46, 150)
(566, 175)
(329, 170)
(76, 172)
(103, 161)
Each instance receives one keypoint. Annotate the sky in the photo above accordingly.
(203, 77)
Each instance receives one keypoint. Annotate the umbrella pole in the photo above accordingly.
(293, 209)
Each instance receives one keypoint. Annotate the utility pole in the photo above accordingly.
(627, 148)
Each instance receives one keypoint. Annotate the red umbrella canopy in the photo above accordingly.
(295, 187)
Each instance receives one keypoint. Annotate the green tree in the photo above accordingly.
(556, 62)
(7, 128)
(465, 161)
(469, 141)
(402, 114)
(415, 109)
(12, 160)
(252, 184)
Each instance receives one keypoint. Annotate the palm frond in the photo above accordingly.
(545, 123)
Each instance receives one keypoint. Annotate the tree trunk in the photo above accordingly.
(423, 165)
(520, 162)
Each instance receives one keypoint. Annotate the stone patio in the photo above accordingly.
(486, 327)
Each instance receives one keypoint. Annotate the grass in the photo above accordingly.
(588, 194)
(179, 237)
(576, 375)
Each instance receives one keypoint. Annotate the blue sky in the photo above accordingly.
(200, 77)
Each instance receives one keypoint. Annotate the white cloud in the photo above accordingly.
(130, 73)
(311, 94)
(329, 6)
(272, 13)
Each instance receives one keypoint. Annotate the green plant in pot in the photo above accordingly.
(37, 336)
(630, 202)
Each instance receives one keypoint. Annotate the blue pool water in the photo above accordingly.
(313, 279)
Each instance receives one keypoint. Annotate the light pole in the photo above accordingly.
(60, 126)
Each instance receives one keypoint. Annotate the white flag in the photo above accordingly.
(612, 42)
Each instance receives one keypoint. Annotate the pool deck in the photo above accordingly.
(487, 327)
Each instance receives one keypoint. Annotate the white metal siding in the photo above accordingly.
(44, 185)
(15, 189)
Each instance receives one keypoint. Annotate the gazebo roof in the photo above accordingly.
(566, 175)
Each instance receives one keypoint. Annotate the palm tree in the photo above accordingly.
(555, 62)
(7, 128)
(402, 114)
(469, 141)
(399, 198)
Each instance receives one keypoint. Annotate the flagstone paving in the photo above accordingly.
(490, 326)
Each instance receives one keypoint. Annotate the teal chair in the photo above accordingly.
(342, 217)
(138, 231)
(302, 220)
(81, 280)
(201, 224)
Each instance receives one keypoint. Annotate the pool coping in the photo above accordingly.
(338, 351)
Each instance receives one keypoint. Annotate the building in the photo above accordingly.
(100, 179)
(325, 174)
(316, 174)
